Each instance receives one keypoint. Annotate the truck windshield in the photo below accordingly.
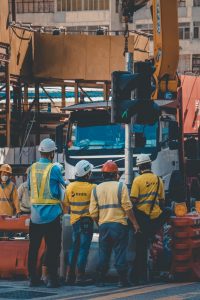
(111, 136)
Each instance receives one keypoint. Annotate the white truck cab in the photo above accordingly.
(91, 136)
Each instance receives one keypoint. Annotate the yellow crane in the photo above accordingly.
(166, 42)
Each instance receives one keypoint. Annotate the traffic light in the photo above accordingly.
(122, 85)
(122, 107)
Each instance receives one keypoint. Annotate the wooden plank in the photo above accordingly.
(4, 17)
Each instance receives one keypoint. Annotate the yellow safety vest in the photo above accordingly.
(39, 183)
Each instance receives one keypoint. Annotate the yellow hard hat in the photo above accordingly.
(6, 168)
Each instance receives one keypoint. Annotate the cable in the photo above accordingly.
(26, 138)
(112, 160)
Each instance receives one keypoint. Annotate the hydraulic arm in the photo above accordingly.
(166, 43)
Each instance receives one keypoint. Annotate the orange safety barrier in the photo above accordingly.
(14, 251)
(186, 247)
(14, 258)
(8, 224)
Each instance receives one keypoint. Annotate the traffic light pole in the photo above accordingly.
(128, 149)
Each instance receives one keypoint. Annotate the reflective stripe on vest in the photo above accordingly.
(80, 212)
(39, 197)
(80, 203)
(113, 205)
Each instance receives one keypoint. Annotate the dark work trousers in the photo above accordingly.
(82, 232)
(148, 230)
(113, 236)
(51, 232)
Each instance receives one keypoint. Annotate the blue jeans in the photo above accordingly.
(113, 236)
(82, 232)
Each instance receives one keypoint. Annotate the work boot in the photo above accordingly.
(123, 280)
(71, 277)
(81, 279)
(33, 282)
(100, 282)
(52, 283)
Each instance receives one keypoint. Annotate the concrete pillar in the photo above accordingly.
(8, 108)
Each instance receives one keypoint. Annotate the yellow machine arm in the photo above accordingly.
(166, 43)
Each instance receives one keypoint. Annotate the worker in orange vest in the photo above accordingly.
(9, 201)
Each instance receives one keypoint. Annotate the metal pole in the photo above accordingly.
(8, 108)
(128, 149)
(26, 97)
(63, 96)
(37, 111)
(13, 11)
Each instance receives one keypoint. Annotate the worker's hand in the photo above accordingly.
(18, 215)
(136, 227)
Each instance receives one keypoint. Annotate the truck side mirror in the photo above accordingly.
(173, 131)
(59, 138)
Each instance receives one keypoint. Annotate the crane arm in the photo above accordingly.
(166, 42)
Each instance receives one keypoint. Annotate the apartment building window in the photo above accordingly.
(148, 28)
(117, 6)
(184, 63)
(80, 5)
(34, 6)
(196, 2)
(196, 63)
(196, 30)
(181, 3)
(184, 31)
(90, 30)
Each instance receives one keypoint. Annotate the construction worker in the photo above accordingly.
(147, 195)
(24, 196)
(44, 276)
(78, 195)
(9, 201)
(110, 206)
(44, 180)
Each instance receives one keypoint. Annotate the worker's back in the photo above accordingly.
(112, 201)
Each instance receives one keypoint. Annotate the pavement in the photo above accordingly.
(168, 291)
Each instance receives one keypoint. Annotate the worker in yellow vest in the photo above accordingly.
(78, 200)
(147, 195)
(9, 201)
(110, 206)
(44, 180)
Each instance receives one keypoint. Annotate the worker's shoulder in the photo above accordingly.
(77, 183)
(111, 184)
(71, 185)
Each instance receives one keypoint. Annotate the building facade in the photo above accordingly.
(73, 15)
(89, 15)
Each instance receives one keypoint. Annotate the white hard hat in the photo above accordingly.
(47, 145)
(142, 159)
(83, 167)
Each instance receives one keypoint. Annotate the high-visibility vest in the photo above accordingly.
(40, 184)
(6, 199)
(110, 205)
